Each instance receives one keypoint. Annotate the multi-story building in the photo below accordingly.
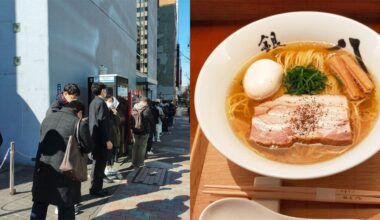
(167, 50)
(48, 43)
(146, 65)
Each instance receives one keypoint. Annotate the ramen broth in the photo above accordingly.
(300, 153)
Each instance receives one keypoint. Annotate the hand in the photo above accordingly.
(114, 111)
(109, 145)
(80, 114)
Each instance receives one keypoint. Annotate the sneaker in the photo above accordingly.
(107, 170)
(76, 209)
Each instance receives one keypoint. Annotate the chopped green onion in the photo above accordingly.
(304, 80)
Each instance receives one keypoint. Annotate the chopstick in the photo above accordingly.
(350, 192)
(299, 193)
(298, 196)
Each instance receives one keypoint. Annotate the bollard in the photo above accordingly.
(12, 189)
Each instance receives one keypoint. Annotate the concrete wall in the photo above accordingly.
(24, 88)
(84, 34)
(167, 35)
(59, 42)
(152, 44)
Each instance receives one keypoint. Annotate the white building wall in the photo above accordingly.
(86, 34)
(59, 42)
(24, 87)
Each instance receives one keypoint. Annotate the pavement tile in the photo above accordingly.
(130, 200)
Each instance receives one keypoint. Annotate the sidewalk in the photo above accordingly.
(129, 200)
(170, 201)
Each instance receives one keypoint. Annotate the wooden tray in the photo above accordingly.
(209, 167)
(216, 169)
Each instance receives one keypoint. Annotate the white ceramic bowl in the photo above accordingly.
(224, 62)
(243, 209)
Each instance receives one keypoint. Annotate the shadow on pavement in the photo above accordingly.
(169, 209)
(174, 159)
(97, 200)
(175, 176)
(14, 212)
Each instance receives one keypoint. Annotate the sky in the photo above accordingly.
(184, 38)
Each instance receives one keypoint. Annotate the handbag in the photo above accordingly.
(74, 163)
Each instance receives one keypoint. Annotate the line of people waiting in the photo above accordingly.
(105, 134)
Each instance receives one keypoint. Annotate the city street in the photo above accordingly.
(129, 200)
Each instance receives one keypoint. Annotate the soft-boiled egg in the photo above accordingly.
(262, 79)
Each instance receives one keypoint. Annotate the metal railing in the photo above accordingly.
(12, 189)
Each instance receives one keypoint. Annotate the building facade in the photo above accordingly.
(146, 56)
(48, 43)
(167, 50)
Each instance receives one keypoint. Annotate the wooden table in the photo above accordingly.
(210, 167)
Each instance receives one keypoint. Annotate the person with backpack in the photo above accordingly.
(141, 123)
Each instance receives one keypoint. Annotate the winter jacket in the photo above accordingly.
(49, 184)
(100, 127)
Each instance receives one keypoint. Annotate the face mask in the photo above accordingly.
(109, 105)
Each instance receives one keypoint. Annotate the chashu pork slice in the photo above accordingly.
(308, 119)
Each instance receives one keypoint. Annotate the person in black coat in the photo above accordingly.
(100, 130)
(70, 92)
(155, 115)
(50, 186)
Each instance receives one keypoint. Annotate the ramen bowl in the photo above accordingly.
(227, 59)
